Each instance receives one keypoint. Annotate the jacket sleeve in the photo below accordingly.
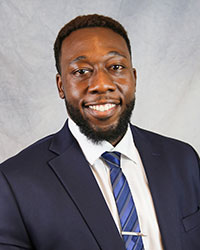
(13, 234)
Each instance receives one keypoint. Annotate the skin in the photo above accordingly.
(97, 76)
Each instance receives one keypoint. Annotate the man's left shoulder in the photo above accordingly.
(162, 142)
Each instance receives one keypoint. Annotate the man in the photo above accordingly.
(59, 193)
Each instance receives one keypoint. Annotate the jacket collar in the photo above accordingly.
(160, 177)
(71, 168)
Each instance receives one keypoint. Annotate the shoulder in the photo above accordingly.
(42, 150)
(161, 142)
(30, 155)
(174, 156)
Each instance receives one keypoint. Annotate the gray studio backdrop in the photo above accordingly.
(165, 38)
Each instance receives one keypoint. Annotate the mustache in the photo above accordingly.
(102, 98)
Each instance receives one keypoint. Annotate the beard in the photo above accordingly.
(97, 135)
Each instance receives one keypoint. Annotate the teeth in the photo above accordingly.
(102, 108)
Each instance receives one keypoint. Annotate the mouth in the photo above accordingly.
(102, 110)
(102, 107)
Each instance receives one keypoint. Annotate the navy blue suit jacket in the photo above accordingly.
(50, 200)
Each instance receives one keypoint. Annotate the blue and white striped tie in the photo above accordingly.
(124, 201)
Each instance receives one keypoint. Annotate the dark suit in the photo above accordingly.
(49, 198)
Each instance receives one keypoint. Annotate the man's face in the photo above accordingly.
(97, 82)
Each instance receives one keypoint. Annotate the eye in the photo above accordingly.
(117, 67)
(81, 72)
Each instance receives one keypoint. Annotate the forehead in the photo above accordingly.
(93, 41)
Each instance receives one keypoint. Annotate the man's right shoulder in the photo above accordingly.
(41, 151)
(33, 153)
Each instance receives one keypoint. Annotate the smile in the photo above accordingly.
(102, 107)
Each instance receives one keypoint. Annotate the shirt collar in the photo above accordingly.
(93, 151)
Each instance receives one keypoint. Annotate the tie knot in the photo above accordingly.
(112, 159)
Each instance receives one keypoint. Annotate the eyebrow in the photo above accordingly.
(78, 59)
(110, 53)
(116, 53)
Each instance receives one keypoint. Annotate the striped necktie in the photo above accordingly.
(124, 201)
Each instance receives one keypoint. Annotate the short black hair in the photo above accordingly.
(87, 21)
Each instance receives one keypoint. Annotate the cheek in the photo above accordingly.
(128, 91)
(74, 95)
(71, 89)
(127, 84)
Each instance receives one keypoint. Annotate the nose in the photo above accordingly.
(101, 82)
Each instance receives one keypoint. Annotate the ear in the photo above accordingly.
(135, 73)
(60, 86)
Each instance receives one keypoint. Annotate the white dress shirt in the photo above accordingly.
(133, 169)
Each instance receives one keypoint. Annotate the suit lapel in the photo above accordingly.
(160, 180)
(74, 172)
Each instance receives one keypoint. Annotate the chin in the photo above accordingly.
(104, 128)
